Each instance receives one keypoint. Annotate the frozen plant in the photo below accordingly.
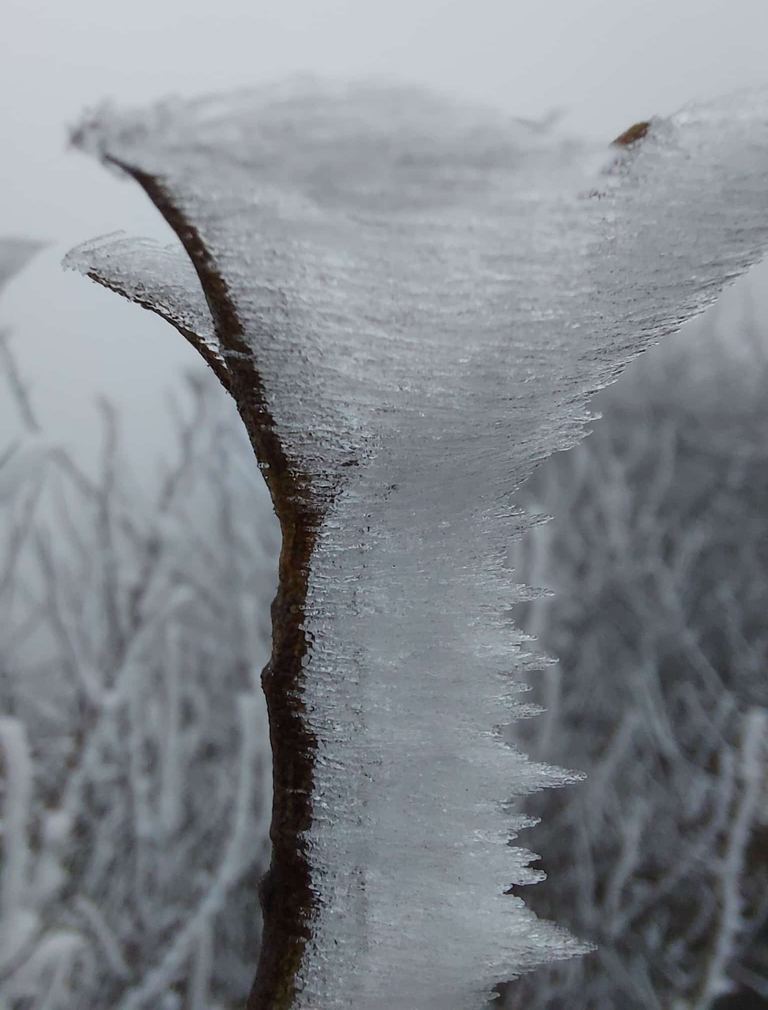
(411, 301)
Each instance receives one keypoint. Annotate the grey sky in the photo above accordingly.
(606, 62)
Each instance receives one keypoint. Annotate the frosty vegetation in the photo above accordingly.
(133, 741)
(664, 940)
(411, 302)
(658, 557)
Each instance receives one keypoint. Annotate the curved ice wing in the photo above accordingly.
(157, 277)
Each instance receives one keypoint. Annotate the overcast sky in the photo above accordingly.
(607, 63)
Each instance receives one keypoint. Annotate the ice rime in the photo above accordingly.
(428, 293)
(160, 278)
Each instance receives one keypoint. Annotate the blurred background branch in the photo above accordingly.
(135, 776)
(658, 559)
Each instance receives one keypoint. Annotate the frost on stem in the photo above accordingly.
(658, 615)
(160, 278)
(414, 300)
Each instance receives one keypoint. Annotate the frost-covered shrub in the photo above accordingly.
(134, 753)
(658, 556)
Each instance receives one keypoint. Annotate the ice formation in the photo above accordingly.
(411, 301)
